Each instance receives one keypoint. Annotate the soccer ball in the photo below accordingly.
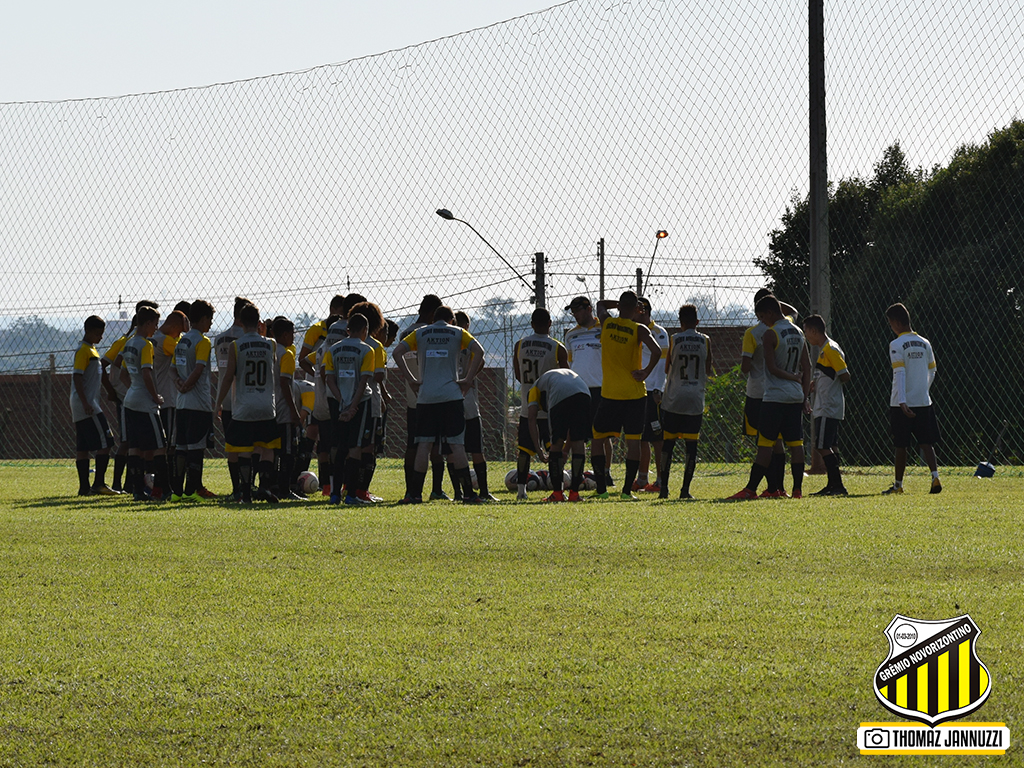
(148, 479)
(534, 482)
(543, 479)
(473, 480)
(589, 483)
(510, 479)
(307, 483)
(566, 480)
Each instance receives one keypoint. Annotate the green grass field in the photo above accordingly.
(603, 633)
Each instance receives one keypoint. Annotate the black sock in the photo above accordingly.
(180, 468)
(691, 465)
(556, 465)
(285, 474)
(667, 449)
(161, 477)
(265, 470)
(100, 478)
(82, 465)
(757, 472)
(453, 475)
(481, 477)
(120, 462)
(835, 477)
(236, 485)
(798, 477)
(579, 461)
(244, 465)
(437, 475)
(351, 468)
(599, 475)
(369, 468)
(416, 481)
(303, 456)
(148, 468)
(776, 473)
(632, 467)
(523, 469)
(193, 471)
(133, 480)
(323, 471)
(465, 483)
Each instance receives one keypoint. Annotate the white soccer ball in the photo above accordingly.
(308, 483)
(510, 479)
(566, 479)
(148, 479)
(473, 480)
(534, 482)
(589, 483)
(543, 479)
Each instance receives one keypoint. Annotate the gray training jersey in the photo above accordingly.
(753, 348)
(254, 378)
(788, 352)
(687, 375)
(223, 348)
(193, 350)
(437, 349)
(471, 404)
(556, 386)
(347, 362)
(137, 356)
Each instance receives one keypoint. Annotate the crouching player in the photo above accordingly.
(252, 431)
(91, 430)
(194, 409)
(682, 407)
(348, 369)
(566, 398)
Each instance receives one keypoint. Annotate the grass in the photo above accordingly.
(652, 633)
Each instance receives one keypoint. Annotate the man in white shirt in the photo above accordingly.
(910, 404)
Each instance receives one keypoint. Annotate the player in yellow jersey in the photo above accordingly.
(315, 335)
(368, 460)
(91, 431)
(282, 330)
(623, 393)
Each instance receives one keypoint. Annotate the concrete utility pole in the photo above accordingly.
(600, 256)
(820, 277)
(539, 296)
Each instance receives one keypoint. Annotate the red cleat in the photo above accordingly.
(775, 495)
(745, 495)
(556, 496)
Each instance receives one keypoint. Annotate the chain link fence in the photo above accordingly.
(573, 132)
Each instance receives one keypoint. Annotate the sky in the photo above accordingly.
(60, 49)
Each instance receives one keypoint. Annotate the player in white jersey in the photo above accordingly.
(583, 344)
(142, 408)
(193, 403)
(565, 396)
(252, 430)
(222, 348)
(687, 368)
(440, 414)
(787, 382)
(288, 420)
(653, 433)
(320, 426)
(428, 305)
(91, 431)
(828, 406)
(910, 403)
(532, 357)
(164, 341)
(474, 427)
(368, 460)
(348, 371)
(752, 366)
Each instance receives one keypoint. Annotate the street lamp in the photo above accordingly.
(447, 215)
(661, 235)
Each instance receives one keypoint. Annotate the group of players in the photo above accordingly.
(615, 375)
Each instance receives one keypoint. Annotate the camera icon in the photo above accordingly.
(876, 738)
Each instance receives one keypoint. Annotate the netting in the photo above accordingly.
(548, 133)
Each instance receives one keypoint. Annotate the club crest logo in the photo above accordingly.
(932, 673)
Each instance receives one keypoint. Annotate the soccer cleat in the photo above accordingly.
(176, 498)
(780, 494)
(574, 496)
(638, 486)
(892, 490)
(334, 499)
(797, 494)
(826, 491)
(936, 486)
(439, 496)
(663, 493)
(87, 491)
(744, 495)
(521, 496)
(473, 499)
(411, 500)
(143, 495)
(265, 495)
(603, 496)
(368, 497)
(457, 498)
(357, 501)
(104, 490)
(234, 498)
(685, 495)
(489, 497)
(652, 488)
(205, 493)
(326, 489)
(192, 497)
(627, 497)
(556, 496)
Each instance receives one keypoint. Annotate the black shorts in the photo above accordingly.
(357, 432)
(924, 426)
(474, 436)
(289, 434)
(379, 438)
(780, 419)
(122, 428)
(169, 422)
(595, 402)
(826, 433)
(751, 411)
(93, 433)
(570, 419)
(653, 428)
(615, 416)
(525, 441)
(410, 427)
(441, 422)
(193, 429)
(144, 429)
(246, 436)
(683, 426)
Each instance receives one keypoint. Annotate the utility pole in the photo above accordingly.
(539, 296)
(639, 282)
(820, 276)
(600, 256)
